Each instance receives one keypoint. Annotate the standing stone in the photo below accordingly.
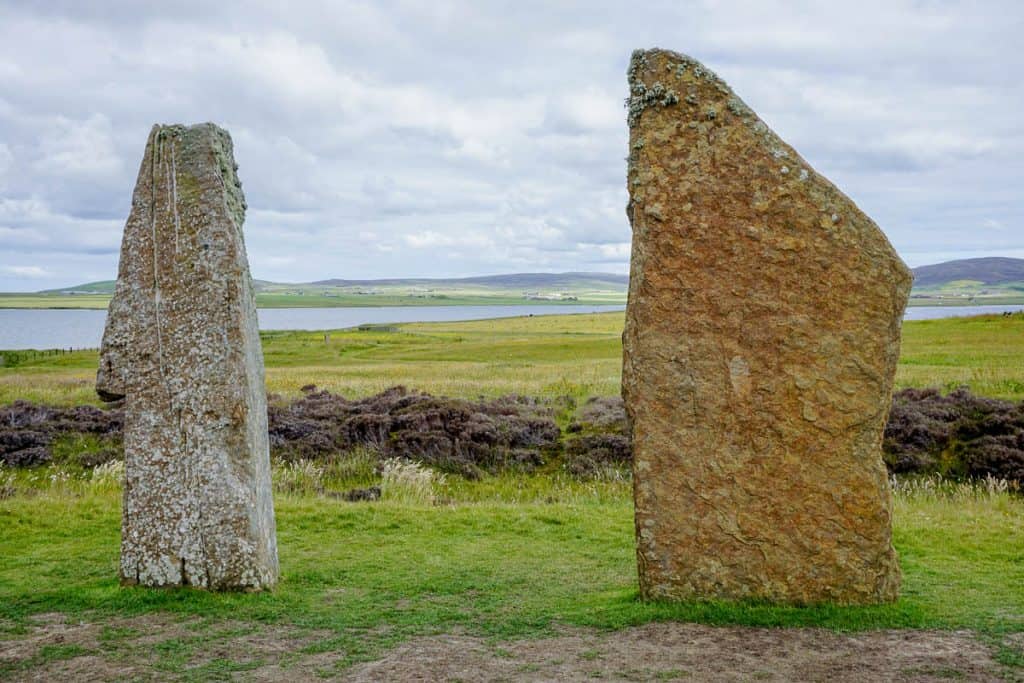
(182, 348)
(762, 334)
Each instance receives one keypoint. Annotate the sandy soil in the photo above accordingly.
(130, 648)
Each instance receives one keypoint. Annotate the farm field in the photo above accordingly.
(516, 289)
(575, 355)
(517, 576)
(324, 298)
(341, 300)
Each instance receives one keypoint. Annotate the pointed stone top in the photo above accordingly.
(218, 140)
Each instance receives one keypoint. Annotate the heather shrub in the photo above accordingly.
(28, 431)
(957, 434)
(453, 435)
(597, 444)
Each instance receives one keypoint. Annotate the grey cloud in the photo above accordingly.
(458, 138)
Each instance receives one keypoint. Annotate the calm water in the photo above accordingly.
(63, 329)
(50, 329)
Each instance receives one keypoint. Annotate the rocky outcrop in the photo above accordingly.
(182, 348)
(762, 333)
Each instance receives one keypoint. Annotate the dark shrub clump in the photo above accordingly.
(958, 434)
(598, 438)
(28, 430)
(454, 435)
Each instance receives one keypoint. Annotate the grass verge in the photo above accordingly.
(575, 355)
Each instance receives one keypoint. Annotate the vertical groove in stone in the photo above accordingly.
(182, 348)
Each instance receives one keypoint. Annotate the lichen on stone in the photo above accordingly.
(181, 347)
(737, 107)
(641, 96)
(759, 354)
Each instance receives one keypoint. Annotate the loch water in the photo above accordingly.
(83, 329)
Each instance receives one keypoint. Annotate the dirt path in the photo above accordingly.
(159, 647)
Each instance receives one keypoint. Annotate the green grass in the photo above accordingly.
(985, 353)
(501, 565)
(280, 296)
(576, 355)
(961, 292)
(323, 297)
(53, 301)
(506, 556)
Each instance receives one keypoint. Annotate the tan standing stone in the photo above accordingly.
(762, 334)
(182, 348)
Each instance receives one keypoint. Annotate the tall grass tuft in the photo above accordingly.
(406, 481)
(356, 466)
(7, 487)
(938, 488)
(108, 476)
(301, 477)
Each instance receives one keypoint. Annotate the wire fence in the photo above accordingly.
(10, 359)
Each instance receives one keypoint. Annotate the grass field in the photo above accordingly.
(345, 299)
(505, 557)
(319, 300)
(578, 355)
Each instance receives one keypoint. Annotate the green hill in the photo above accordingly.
(98, 287)
(995, 270)
(515, 288)
(990, 280)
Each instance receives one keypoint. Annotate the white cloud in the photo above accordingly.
(84, 147)
(32, 272)
(617, 251)
(456, 138)
(6, 159)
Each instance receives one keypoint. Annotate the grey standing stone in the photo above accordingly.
(182, 348)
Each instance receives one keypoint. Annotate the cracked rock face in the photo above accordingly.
(762, 334)
(181, 346)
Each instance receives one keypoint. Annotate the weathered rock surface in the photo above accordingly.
(182, 347)
(762, 333)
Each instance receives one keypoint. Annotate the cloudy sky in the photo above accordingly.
(450, 138)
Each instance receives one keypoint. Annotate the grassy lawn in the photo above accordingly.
(575, 355)
(504, 557)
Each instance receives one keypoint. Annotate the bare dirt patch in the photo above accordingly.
(165, 647)
(162, 647)
(662, 652)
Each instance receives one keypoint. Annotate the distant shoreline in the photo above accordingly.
(100, 301)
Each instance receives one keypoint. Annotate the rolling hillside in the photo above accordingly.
(990, 280)
(994, 270)
(514, 288)
(510, 281)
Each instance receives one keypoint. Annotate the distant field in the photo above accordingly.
(342, 300)
(514, 289)
(577, 355)
(968, 292)
(54, 301)
(348, 300)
